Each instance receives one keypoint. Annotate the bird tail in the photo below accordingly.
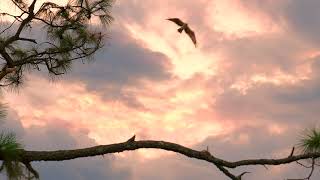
(180, 30)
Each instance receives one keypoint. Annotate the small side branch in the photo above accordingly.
(292, 151)
(27, 39)
(242, 174)
(312, 170)
(313, 163)
(227, 173)
(31, 169)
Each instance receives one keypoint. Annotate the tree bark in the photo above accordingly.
(61, 155)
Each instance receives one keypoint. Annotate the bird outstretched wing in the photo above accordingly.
(177, 21)
(191, 35)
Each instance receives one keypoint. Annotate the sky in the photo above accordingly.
(248, 90)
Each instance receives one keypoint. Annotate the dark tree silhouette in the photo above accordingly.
(70, 38)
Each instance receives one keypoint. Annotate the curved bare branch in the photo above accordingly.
(131, 144)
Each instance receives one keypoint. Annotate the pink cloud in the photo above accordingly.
(242, 91)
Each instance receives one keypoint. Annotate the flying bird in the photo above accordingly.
(186, 28)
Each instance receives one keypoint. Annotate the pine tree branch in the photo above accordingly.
(5, 70)
(22, 25)
(27, 39)
(131, 144)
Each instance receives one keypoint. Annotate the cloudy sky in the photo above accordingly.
(248, 90)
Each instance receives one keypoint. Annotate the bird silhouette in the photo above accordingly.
(184, 26)
(132, 139)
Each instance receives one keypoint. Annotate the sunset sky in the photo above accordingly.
(248, 90)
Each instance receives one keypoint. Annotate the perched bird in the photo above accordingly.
(132, 139)
(186, 28)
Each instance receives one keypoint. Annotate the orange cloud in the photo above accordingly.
(240, 50)
(170, 115)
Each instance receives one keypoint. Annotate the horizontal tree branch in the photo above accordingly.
(130, 145)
